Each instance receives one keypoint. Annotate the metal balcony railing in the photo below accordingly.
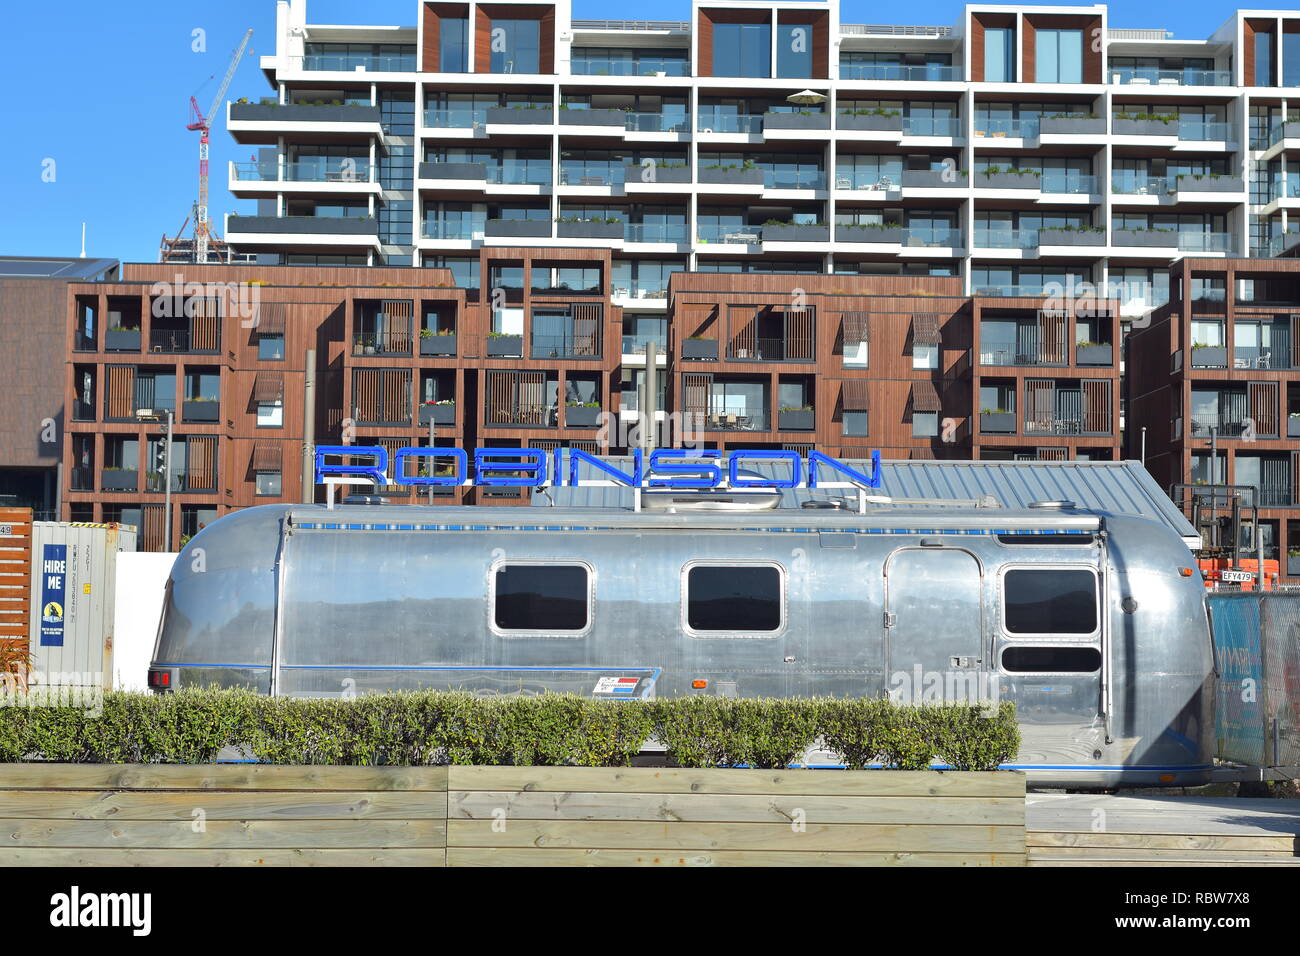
(771, 349)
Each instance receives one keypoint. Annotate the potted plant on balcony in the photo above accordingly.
(440, 342)
(576, 227)
(116, 478)
(1293, 562)
(1209, 356)
(997, 420)
(1072, 236)
(1092, 353)
(699, 348)
(582, 414)
(871, 120)
(776, 230)
(441, 412)
(120, 338)
(1145, 124)
(1293, 425)
(1008, 177)
(795, 418)
(868, 232)
(200, 408)
(505, 344)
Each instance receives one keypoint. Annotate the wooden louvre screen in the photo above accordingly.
(695, 393)
(516, 398)
(1262, 401)
(268, 387)
(399, 319)
(854, 395)
(271, 318)
(921, 454)
(856, 326)
(153, 531)
(742, 331)
(1096, 405)
(1040, 404)
(205, 325)
(590, 446)
(268, 456)
(1052, 454)
(801, 334)
(15, 573)
(587, 320)
(1051, 326)
(1295, 478)
(696, 317)
(119, 393)
(925, 397)
(201, 463)
(925, 328)
(1295, 340)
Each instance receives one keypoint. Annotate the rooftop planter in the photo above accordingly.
(572, 117)
(306, 225)
(1209, 356)
(791, 232)
(505, 345)
(303, 113)
(885, 121)
(794, 419)
(200, 410)
(935, 178)
(581, 416)
(589, 229)
(998, 422)
(700, 349)
(119, 479)
(121, 340)
(734, 175)
(438, 413)
(1093, 354)
(808, 120)
(1071, 237)
(520, 115)
(851, 233)
(1210, 184)
(1075, 125)
(477, 171)
(438, 344)
(1145, 238)
(1145, 126)
(995, 178)
(659, 173)
(519, 228)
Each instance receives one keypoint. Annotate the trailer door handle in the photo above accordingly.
(890, 619)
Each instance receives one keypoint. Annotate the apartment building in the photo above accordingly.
(1214, 396)
(1021, 147)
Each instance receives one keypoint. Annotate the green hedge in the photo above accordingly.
(424, 728)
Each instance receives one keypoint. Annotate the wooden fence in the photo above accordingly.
(246, 815)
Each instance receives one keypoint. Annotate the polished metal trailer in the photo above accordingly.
(1093, 624)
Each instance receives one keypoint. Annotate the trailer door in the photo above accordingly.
(934, 624)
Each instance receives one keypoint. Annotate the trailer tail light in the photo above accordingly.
(1185, 572)
(160, 678)
(699, 684)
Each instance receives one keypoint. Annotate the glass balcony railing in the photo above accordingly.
(350, 62)
(520, 174)
(1204, 242)
(1068, 183)
(1137, 185)
(1150, 76)
(455, 118)
(1288, 190)
(733, 233)
(794, 179)
(729, 123)
(598, 66)
(635, 344)
(889, 178)
(433, 229)
(931, 126)
(591, 174)
(741, 417)
(941, 237)
(1024, 128)
(335, 170)
(986, 238)
(1280, 131)
(657, 123)
(655, 232)
(1201, 132)
(909, 73)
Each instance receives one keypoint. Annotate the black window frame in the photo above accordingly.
(498, 566)
(1049, 635)
(751, 634)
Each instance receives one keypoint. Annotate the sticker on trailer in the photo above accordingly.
(54, 581)
(616, 685)
(1240, 576)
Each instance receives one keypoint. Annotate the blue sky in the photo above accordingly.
(102, 90)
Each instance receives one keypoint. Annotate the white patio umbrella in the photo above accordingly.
(806, 97)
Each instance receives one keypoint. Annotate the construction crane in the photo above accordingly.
(202, 122)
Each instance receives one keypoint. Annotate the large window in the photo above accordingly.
(1057, 601)
(1263, 58)
(742, 49)
(541, 597)
(514, 46)
(453, 48)
(1051, 660)
(794, 50)
(999, 55)
(733, 598)
(1059, 56)
(1291, 59)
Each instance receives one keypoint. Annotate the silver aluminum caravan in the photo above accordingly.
(1092, 623)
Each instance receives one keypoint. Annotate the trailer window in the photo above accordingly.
(541, 597)
(1051, 660)
(1050, 601)
(744, 597)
